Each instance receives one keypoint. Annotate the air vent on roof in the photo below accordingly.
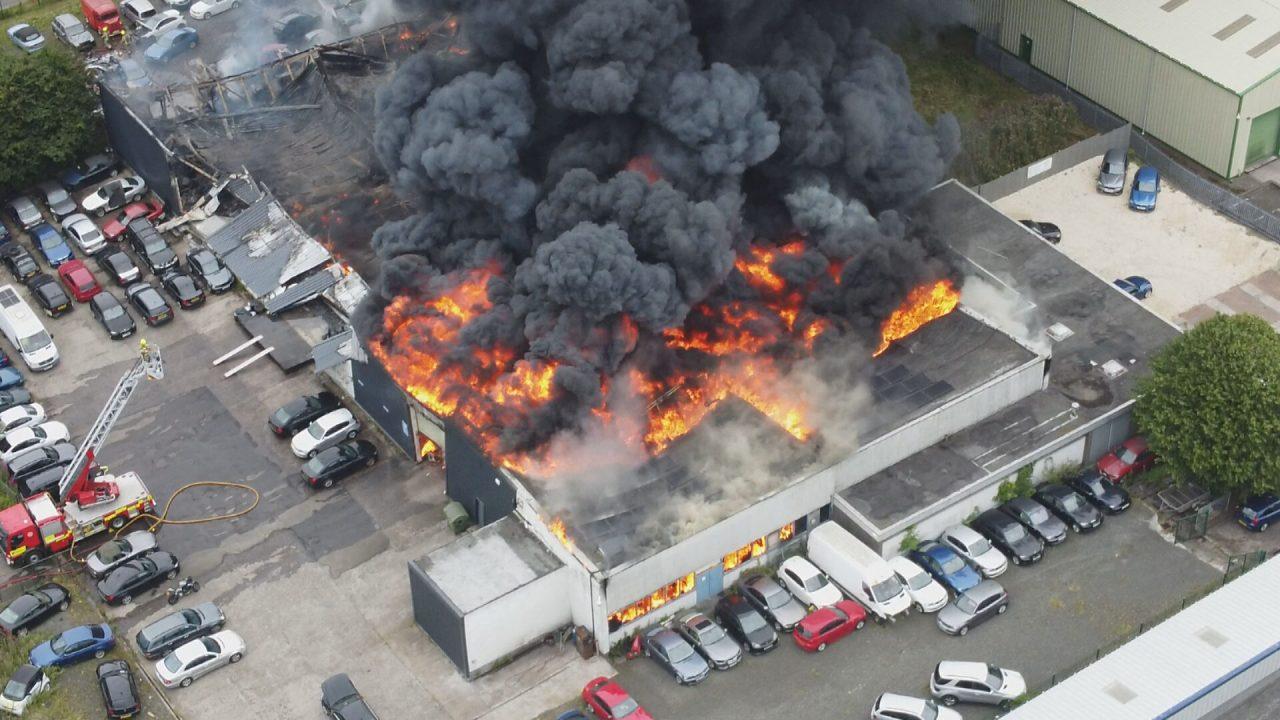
(1263, 47)
(1211, 637)
(1113, 369)
(9, 298)
(1236, 26)
(1059, 332)
(1173, 5)
(1121, 693)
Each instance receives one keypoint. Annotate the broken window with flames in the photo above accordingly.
(754, 549)
(651, 602)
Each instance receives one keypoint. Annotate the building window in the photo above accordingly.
(651, 602)
(786, 532)
(753, 550)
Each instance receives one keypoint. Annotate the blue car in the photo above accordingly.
(172, 44)
(1146, 186)
(1135, 285)
(52, 246)
(946, 566)
(1259, 511)
(72, 646)
(10, 378)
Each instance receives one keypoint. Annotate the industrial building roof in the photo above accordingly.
(1235, 44)
(1109, 332)
(265, 248)
(1170, 666)
(486, 564)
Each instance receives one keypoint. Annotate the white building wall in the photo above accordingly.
(341, 376)
(517, 619)
(1230, 692)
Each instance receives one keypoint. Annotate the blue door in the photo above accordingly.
(710, 583)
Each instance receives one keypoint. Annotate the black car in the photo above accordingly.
(117, 263)
(1099, 490)
(1036, 518)
(112, 315)
(45, 480)
(341, 700)
(1048, 232)
(137, 576)
(119, 693)
(339, 461)
(290, 418)
(1009, 536)
(158, 638)
(1072, 509)
(95, 168)
(151, 245)
(14, 396)
(31, 608)
(49, 294)
(293, 26)
(746, 624)
(33, 461)
(182, 288)
(212, 273)
(22, 264)
(155, 311)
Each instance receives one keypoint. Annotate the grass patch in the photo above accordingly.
(1003, 127)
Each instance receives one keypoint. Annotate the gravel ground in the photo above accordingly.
(1189, 252)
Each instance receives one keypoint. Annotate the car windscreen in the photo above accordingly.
(966, 603)
(918, 581)
(1147, 186)
(32, 343)
(15, 690)
(995, 676)
(172, 663)
(679, 652)
(1013, 532)
(709, 633)
(73, 28)
(111, 312)
(1071, 502)
(776, 597)
(50, 240)
(113, 550)
(952, 563)
(886, 589)
(979, 546)
(751, 622)
(814, 583)
(315, 430)
(317, 464)
(625, 708)
(1113, 168)
(1037, 514)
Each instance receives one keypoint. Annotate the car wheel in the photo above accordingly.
(949, 700)
(370, 462)
(195, 586)
(917, 607)
(186, 682)
(351, 435)
(328, 483)
(126, 599)
(99, 653)
(20, 632)
(117, 522)
(861, 624)
(235, 657)
(1004, 704)
(822, 646)
(1263, 527)
(34, 557)
(1001, 610)
(1075, 526)
(235, 5)
(1017, 560)
(171, 574)
(64, 605)
(99, 212)
(311, 454)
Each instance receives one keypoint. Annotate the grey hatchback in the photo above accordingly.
(774, 602)
(170, 631)
(973, 607)
(1037, 518)
(1115, 163)
(672, 652)
(710, 640)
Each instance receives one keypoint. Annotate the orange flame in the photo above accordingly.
(558, 529)
(922, 306)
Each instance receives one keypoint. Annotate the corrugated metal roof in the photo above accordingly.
(1175, 660)
(1233, 43)
(348, 293)
(266, 249)
(332, 352)
(308, 288)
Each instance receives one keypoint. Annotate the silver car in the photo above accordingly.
(710, 640)
(774, 602)
(57, 199)
(24, 212)
(973, 607)
(26, 37)
(975, 682)
(72, 32)
(676, 655)
(199, 657)
(1115, 163)
(976, 549)
(114, 553)
(84, 233)
(892, 706)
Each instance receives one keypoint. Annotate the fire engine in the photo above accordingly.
(92, 501)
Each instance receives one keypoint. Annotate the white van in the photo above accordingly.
(25, 331)
(858, 570)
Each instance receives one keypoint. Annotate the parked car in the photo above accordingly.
(155, 311)
(1010, 537)
(57, 199)
(150, 209)
(118, 551)
(1133, 456)
(151, 246)
(347, 13)
(171, 44)
(119, 692)
(1111, 176)
(68, 28)
(95, 168)
(826, 625)
(745, 624)
(200, 657)
(78, 280)
(21, 416)
(1135, 285)
(1036, 518)
(162, 23)
(25, 439)
(293, 26)
(204, 9)
(1099, 490)
(608, 701)
(206, 266)
(297, 414)
(84, 233)
(927, 594)
(182, 288)
(710, 640)
(51, 244)
(1046, 231)
(137, 12)
(10, 378)
(891, 706)
(130, 579)
(21, 264)
(338, 695)
(24, 685)
(945, 566)
(1145, 189)
(32, 608)
(953, 682)
(807, 583)
(114, 194)
(24, 212)
(25, 37)
(112, 316)
(1072, 509)
(674, 654)
(46, 480)
(1258, 512)
(28, 463)
(973, 607)
(49, 295)
(14, 396)
(339, 461)
(72, 646)
(324, 432)
(774, 601)
(160, 637)
(119, 266)
(976, 550)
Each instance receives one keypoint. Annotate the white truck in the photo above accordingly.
(25, 331)
(858, 570)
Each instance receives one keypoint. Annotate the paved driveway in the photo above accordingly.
(1092, 591)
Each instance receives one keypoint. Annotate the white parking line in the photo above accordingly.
(1220, 306)
(1261, 296)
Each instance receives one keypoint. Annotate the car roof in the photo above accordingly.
(894, 701)
(801, 566)
(1115, 154)
(936, 549)
(818, 618)
(333, 417)
(964, 533)
(1147, 172)
(1055, 490)
(763, 582)
(962, 670)
(611, 692)
(337, 686)
(984, 590)
(904, 565)
(25, 673)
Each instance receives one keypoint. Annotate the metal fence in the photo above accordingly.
(1064, 159)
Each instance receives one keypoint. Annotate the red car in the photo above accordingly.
(78, 280)
(1131, 457)
(826, 625)
(152, 210)
(606, 699)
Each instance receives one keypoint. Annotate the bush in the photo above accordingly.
(910, 541)
(1018, 134)
(1020, 487)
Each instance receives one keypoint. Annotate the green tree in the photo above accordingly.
(1211, 405)
(49, 116)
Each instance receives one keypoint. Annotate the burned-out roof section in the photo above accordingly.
(1105, 325)
(482, 566)
(265, 248)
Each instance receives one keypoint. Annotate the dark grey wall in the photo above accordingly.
(433, 612)
(379, 396)
(473, 481)
(1065, 159)
(135, 144)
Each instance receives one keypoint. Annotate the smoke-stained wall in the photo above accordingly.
(473, 481)
(134, 143)
(383, 400)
